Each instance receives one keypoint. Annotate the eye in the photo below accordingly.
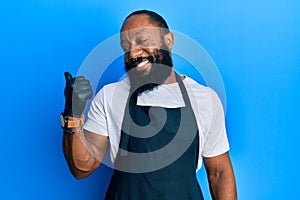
(142, 41)
(125, 47)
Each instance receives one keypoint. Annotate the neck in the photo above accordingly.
(172, 78)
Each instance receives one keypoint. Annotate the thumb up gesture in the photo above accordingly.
(77, 91)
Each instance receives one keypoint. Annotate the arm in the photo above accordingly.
(84, 152)
(221, 177)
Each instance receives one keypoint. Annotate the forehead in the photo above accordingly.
(137, 22)
(139, 25)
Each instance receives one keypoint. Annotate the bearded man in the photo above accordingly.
(159, 126)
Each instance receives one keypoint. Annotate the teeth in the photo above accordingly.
(142, 63)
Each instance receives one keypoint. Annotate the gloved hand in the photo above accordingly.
(77, 91)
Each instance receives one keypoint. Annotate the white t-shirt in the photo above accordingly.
(107, 110)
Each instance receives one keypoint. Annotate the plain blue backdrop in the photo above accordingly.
(255, 45)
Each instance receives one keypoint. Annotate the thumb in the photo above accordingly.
(68, 77)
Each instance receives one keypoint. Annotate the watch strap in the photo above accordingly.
(74, 122)
(71, 131)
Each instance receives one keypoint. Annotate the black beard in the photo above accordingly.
(161, 69)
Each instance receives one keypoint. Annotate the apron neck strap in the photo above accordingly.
(183, 91)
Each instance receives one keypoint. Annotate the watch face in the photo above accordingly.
(62, 120)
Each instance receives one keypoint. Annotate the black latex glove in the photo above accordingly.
(77, 91)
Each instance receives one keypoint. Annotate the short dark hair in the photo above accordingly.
(154, 17)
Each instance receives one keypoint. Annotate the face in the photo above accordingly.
(147, 55)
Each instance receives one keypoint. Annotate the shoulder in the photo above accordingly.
(112, 89)
(123, 84)
(204, 99)
(200, 91)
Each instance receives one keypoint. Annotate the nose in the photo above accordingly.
(135, 52)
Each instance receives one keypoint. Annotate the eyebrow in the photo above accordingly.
(140, 32)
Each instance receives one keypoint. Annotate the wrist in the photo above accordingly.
(72, 114)
(72, 131)
(71, 124)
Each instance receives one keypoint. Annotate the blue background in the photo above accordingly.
(255, 45)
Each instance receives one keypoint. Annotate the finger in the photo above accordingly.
(82, 88)
(82, 81)
(68, 77)
(85, 95)
(79, 78)
(82, 85)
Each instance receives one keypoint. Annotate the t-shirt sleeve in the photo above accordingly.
(96, 118)
(216, 142)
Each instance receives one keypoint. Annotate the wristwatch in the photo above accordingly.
(71, 124)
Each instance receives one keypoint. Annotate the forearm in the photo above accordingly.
(222, 186)
(79, 155)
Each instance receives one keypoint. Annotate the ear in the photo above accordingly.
(169, 39)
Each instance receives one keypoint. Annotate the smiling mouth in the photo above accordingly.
(142, 65)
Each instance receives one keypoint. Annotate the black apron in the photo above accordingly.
(143, 171)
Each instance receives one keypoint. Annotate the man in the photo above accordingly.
(159, 126)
